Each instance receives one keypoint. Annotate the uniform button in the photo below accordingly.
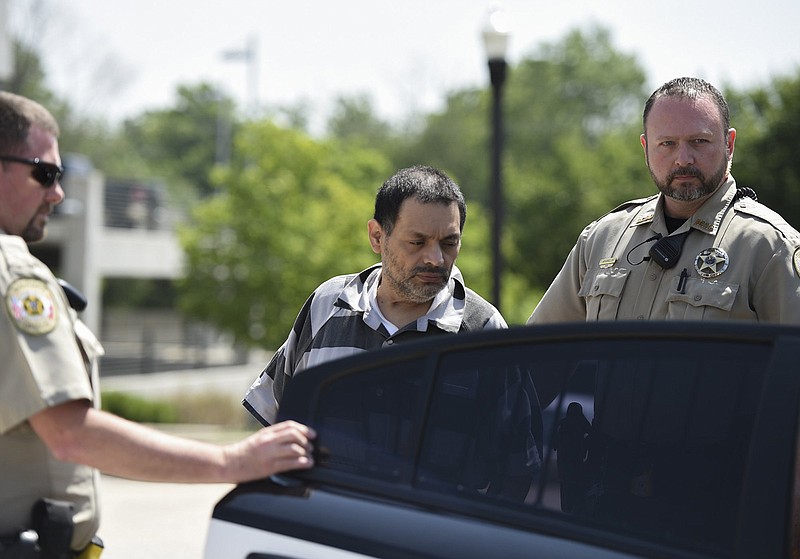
(697, 297)
(388, 343)
(653, 277)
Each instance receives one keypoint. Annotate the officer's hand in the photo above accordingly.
(274, 449)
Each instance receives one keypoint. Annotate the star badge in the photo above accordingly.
(711, 262)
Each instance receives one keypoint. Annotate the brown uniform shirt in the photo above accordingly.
(741, 261)
(49, 357)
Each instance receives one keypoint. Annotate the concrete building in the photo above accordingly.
(125, 229)
(87, 248)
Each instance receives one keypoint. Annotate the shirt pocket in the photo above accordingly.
(701, 300)
(602, 290)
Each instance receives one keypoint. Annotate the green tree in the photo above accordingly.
(571, 153)
(290, 212)
(354, 120)
(767, 120)
(573, 149)
(572, 110)
(182, 144)
(455, 140)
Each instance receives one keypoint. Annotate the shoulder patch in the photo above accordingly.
(31, 305)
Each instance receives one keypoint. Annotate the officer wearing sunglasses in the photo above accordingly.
(46, 174)
(53, 437)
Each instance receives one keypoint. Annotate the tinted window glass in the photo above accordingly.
(369, 423)
(655, 443)
(483, 435)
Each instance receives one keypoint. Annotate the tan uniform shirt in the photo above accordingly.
(740, 261)
(49, 357)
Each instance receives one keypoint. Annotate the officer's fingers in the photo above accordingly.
(291, 463)
(267, 452)
(289, 433)
(285, 441)
(284, 452)
(292, 428)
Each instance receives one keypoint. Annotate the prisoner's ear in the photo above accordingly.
(376, 236)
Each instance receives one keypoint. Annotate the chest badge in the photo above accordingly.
(711, 262)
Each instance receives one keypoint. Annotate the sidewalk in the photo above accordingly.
(168, 520)
(156, 520)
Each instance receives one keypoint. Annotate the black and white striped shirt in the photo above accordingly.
(339, 319)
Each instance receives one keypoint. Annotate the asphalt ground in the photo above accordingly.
(167, 520)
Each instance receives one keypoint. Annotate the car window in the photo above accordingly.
(368, 423)
(483, 433)
(648, 438)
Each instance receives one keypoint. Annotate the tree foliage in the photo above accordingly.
(184, 142)
(279, 211)
(767, 119)
(290, 212)
(571, 153)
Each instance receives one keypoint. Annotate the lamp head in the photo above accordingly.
(495, 34)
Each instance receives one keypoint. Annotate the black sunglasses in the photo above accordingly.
(43, 172)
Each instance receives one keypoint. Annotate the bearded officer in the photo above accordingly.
(702, 249)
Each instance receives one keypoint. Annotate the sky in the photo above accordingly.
(117, 59)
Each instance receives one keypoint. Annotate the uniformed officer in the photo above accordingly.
(53, 439)
(702, 249)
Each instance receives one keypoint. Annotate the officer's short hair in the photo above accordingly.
(17, 115)
(689, 88)
(426, 184)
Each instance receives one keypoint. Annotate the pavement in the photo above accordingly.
(156, 520)
(168, 520)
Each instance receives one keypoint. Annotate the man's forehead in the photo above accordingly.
(668, 106)
(700, 113)
(413, 210)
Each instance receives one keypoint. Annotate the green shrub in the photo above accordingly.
(207, 408)
(139, 409)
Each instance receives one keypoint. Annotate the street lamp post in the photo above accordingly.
(249, 55)
(495, 39)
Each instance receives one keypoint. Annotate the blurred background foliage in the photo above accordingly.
(273, 210)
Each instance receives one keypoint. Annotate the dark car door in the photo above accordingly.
(683, 445)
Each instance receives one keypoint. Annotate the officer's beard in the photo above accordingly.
(35, 229)
(688, 191)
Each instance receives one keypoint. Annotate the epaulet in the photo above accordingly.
(748, 206)
(11, 242)
(16, 253)
(629, 204)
